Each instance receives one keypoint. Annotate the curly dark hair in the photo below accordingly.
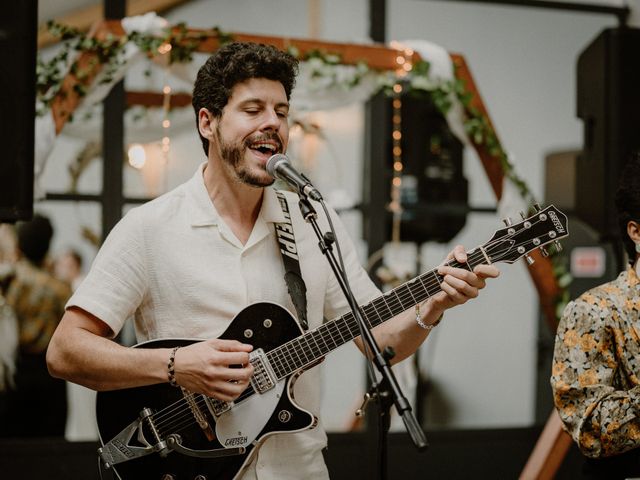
(235, 63)
(628, 202)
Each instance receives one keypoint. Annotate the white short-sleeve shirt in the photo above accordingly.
(177, 268)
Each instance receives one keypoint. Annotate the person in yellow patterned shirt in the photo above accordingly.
(596, 365)
(37, 405)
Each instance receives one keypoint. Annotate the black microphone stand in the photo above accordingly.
(387, 391)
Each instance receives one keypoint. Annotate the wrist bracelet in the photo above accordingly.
(423, 325)
(171, 373)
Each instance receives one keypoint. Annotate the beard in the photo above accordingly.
(233, 154)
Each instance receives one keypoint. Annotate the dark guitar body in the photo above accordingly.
(117, 409)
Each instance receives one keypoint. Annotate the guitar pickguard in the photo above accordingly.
(241, 425)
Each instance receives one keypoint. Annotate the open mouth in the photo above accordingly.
(265, 145)
(265, 148)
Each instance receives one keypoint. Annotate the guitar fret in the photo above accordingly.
(383, 303)
(411, 293)
(312, 353)
(296, 352)
(395, 292)
(276, 364)
(424, 287)
(435, 288)
(304, 348)
(416, 293)
(318, 350)
(352, 327)
(371, 315)
(406, 303)
(341, 337)
(295, 349)
(323, 340)
(327, 336)
(285, 358)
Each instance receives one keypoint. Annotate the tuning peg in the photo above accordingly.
(537, 207)
(544, 252)
(530, 260)
(523, 215)
(558, 246)
(507, 221)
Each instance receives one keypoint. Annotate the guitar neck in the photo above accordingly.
(311, 347)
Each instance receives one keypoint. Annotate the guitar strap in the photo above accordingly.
(292, 275)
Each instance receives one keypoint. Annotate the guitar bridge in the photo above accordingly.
(120, 448)
(264, 378)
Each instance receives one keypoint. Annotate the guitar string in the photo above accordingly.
(278, 354)
(344, 325)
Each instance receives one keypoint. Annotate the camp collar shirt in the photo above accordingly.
(178, 269)
(596, 368)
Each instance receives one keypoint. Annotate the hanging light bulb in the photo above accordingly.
(137, 156)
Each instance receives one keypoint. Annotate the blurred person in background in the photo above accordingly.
(37, 403)
(68, 268)
(8, 322)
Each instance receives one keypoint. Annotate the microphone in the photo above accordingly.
(278, 166)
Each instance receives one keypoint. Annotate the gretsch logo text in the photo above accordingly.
(123, 448)
(235, 442)
(556, 222)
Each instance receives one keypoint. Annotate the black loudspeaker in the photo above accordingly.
(18, 46)
(609, 105)
(434, 191)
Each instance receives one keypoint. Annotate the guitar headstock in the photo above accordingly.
(516, 240)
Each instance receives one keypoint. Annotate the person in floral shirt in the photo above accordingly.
(596, 365)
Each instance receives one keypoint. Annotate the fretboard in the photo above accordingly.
(312, 346)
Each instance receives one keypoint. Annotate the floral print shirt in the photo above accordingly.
(596, 367)
(38, 300)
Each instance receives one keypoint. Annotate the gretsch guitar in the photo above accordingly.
(161, 432)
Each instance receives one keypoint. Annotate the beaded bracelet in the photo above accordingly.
(171, 373)
(421, 324)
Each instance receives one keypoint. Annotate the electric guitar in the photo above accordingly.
(162, 432)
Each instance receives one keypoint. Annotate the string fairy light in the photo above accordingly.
(404, 66)
(164, 49)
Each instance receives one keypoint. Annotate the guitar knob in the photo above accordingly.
(537, 207)
(558, 246)
(523, 215)
(544, 252)
(507, 221)
(530, 260)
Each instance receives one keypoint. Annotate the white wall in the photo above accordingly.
(482, 359)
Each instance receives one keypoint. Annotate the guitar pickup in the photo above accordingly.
(264, 378)
(217, 407)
